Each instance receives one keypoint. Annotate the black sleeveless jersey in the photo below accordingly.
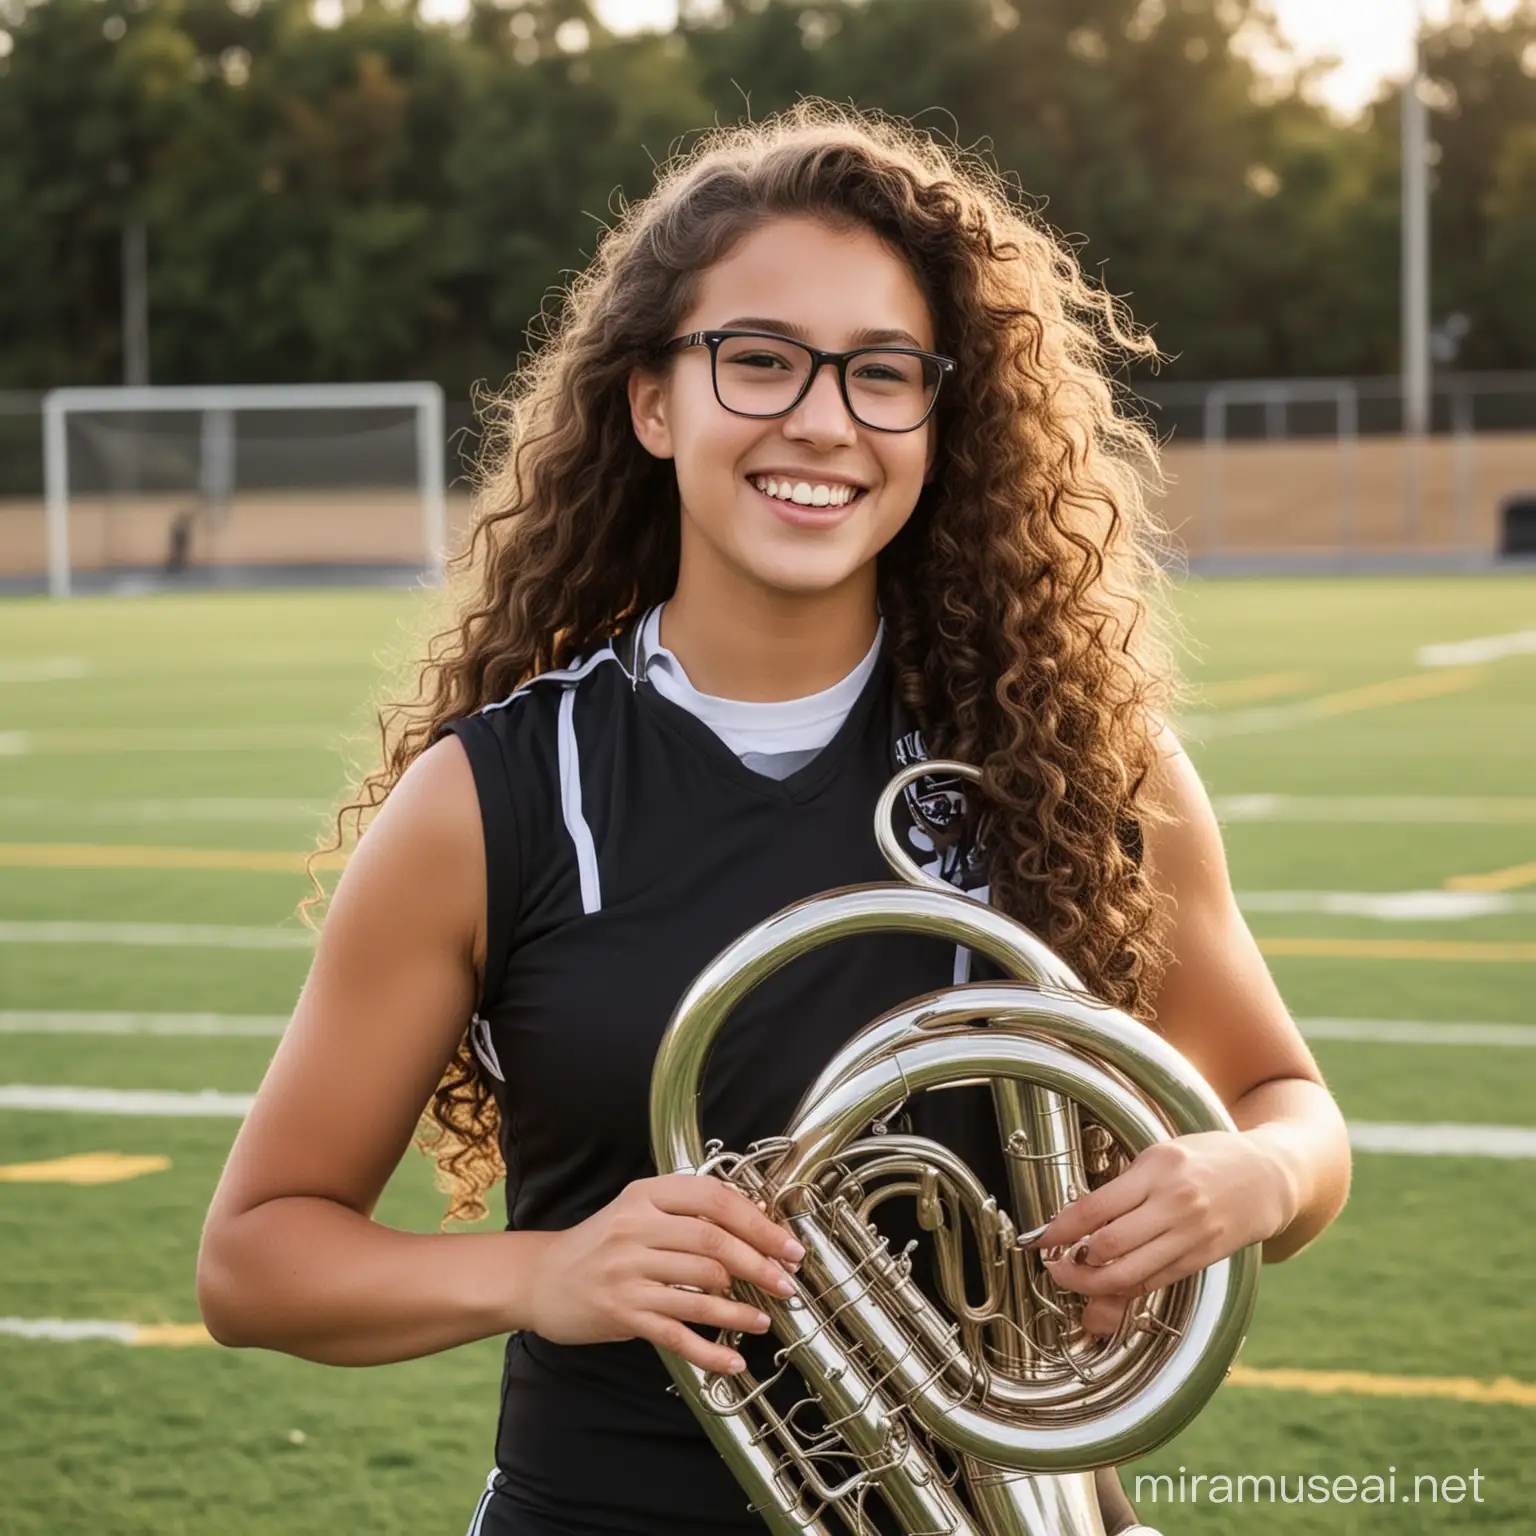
(626, 845)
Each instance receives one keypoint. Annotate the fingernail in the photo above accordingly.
(784, 1285)
(763, 1321)
(793, 1251)
(737, 1365)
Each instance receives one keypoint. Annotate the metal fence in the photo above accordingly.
(1265, 473)
(1286, 409)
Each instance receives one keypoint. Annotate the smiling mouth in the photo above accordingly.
(807, 495)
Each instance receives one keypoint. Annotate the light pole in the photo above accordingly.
(1415, 269)
(135, 268)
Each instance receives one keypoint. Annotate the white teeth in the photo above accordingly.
(805, 494)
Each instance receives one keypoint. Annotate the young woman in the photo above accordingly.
(820, 469)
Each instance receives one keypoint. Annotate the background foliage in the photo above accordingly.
(384, 197)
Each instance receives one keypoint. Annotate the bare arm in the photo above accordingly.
(1219, 1004)
(291, 1258)
(1284, 1175)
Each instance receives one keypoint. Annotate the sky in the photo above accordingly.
(1369, 37)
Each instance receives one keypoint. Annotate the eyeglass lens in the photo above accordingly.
(761, 377)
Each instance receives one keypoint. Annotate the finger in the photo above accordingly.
(687, 1234)
(675, 1335)
(1127, 1276)
(706, 1310)
(688, 1195)
(1106, 1204)
(1104, 1314)
(665, 1266)
(1123, 1236)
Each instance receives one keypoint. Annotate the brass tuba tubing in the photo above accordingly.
(879, 1358)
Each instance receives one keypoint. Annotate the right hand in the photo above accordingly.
(616, 1275)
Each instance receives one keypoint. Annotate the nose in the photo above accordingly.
(821, 415)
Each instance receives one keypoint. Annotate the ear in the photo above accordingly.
(648, 412)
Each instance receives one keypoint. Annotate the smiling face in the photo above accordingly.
(834, 289)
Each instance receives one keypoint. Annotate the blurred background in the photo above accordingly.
(259, 260)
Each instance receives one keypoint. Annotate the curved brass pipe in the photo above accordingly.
(1023, 1403)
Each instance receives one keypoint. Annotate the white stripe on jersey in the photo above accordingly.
(570, 804)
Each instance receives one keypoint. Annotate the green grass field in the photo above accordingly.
(217, 722)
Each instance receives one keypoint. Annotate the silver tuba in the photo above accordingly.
(964, 1414)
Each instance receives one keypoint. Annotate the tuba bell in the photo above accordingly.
(954, 1414)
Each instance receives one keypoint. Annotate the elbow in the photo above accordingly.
(221, 1298)
(1329, 1195)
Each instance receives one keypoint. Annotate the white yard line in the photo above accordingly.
(1417, 1032)
(1387, 906)
(156, 935)
(60, 1330)
(1467, 653)
(71, 1330)
(1209, 725)
(133, 812)
(1452, 809)
(221, 1025)
(241, 1025)
(108, 741)
(1392, 906)
(152, 1102)
(1443, 1140)
(43, 669)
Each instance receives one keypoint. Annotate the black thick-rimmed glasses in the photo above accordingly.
(756, 373)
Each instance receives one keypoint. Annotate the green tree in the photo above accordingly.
(382, 197)
(1483, 77)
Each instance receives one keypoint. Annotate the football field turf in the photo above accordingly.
(165, 761)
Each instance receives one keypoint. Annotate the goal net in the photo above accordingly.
(244, 482)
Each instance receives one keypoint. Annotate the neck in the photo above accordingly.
(739, 640)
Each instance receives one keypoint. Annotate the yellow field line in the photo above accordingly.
(1398, 690)
(1252, 690)
(1462, 1389)
(138, 856)
(1496, 880)
(1396, 949)
(173, 1335)
(83, 1168)
(1505, 1390)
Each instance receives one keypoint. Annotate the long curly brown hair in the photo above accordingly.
(1020, 598)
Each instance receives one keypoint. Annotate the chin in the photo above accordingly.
(800, 574)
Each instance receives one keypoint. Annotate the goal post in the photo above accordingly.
(1277, 396)
(208, 458)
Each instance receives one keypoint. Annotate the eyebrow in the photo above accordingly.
(868, 337)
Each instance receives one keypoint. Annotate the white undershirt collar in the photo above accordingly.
(749, 726)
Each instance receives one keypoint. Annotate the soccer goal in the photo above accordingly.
(1309, 501)
(250, 482)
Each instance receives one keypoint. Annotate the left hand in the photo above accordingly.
(1180, 1206)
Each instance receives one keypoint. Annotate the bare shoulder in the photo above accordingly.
(418, 873)
(1216, 1001)
(1185, 855)
(434, 803)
